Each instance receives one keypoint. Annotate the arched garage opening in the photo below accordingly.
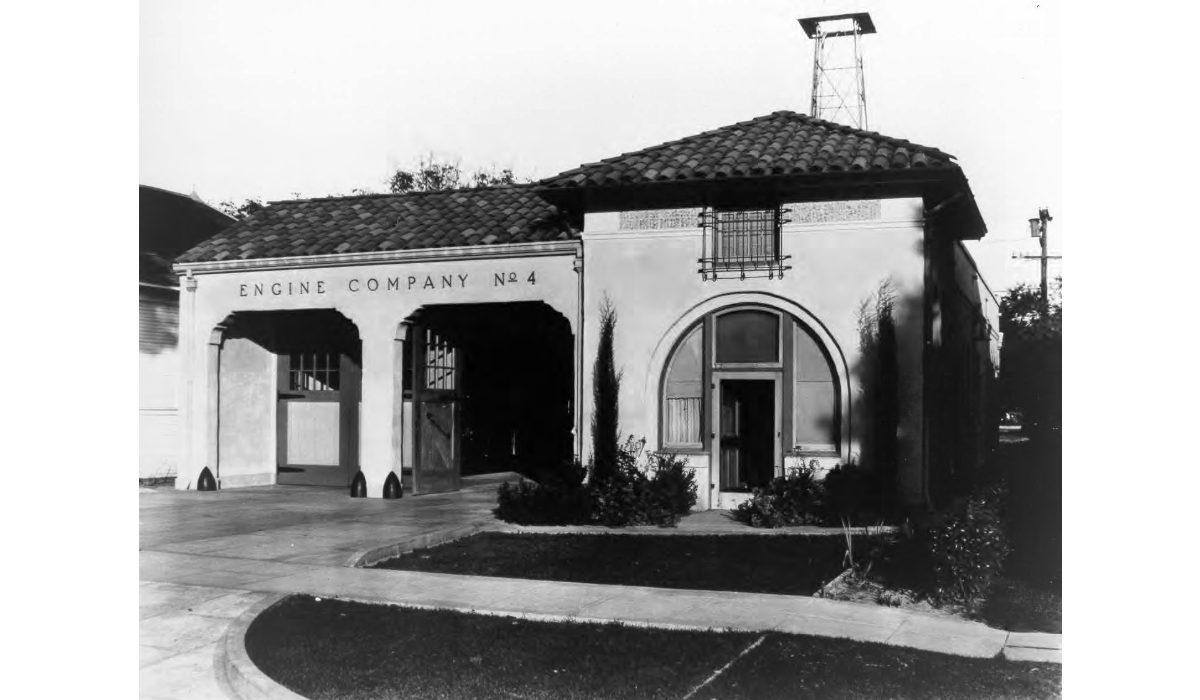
(487, 388)
(288, 389)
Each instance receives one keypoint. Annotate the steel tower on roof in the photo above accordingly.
(839, 91)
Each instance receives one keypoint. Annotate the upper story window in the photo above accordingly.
(743, 243)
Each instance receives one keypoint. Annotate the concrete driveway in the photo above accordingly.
(206, 558)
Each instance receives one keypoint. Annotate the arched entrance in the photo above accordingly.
(288, 389)
(750, 385)
(486, 388)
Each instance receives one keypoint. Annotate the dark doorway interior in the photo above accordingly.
(517, 384)
(747, 433)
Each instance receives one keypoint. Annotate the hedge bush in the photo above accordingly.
(660, 494)
(795, 499)
(857, 494)
(560, 499)
(967, 548)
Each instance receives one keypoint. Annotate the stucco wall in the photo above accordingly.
(377, 298)
(247, 413)
(652, 278)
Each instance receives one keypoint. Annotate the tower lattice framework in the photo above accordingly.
(839, 89)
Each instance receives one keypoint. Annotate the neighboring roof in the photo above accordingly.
(155, 271)
(168, 224)
(779, 144)
(372, 223)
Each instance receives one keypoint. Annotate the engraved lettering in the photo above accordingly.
(320, 286)
(463, 280)
(411, 281)
(277, 289)
(373, 284)
(428, 283)
(499, 282)
(258, 290)
(352, 283)
(243, 290)
(393, 283)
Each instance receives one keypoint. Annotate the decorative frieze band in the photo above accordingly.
(829, 212)
(657, 219)
(799, 213)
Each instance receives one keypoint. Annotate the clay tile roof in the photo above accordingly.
(778, 144)
(368, 223)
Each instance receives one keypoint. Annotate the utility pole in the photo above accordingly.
(1039, 228)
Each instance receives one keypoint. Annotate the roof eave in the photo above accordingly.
(804, 187)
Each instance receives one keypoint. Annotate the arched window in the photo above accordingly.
(684, 393)
(815, 415)
(736, 352)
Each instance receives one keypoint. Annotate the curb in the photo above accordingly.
(1045, 647)
(370, 557)
(832, 582)
(236, 673)
(799, 530)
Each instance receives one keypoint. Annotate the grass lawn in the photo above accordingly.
(1019, 606)
(338, 649)
(787, 564)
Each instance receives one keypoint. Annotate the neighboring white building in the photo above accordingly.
(429, 334)
(169, 224)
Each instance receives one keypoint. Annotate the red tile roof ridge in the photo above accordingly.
(410, 193)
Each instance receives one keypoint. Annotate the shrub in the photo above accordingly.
(614, 496)
(795, 499)
(560, 499)
(854, 492)
(672, 483)
(657, 495)
(966, 550)
(660, 494)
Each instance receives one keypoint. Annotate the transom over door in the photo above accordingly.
(437, 404)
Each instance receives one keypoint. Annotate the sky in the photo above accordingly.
(274, 100)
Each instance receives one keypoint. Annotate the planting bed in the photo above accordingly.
(337, 649)
(785, 564)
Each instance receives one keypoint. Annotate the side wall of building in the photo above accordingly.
(964, 360)
(841, 254)
(158, 367)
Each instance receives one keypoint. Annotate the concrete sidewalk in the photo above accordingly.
(208, 558)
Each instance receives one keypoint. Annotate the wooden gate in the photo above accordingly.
(437, 413)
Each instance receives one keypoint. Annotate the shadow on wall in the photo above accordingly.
(884, 317)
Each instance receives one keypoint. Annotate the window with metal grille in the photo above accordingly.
(440, 360)
(743, 243)
(314, 371)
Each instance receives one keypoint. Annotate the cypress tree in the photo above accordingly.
(606, 386)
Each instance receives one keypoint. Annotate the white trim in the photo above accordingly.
(724, 300)
(159, 286)
(500, 251)
(834, 226)
(721, 497)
